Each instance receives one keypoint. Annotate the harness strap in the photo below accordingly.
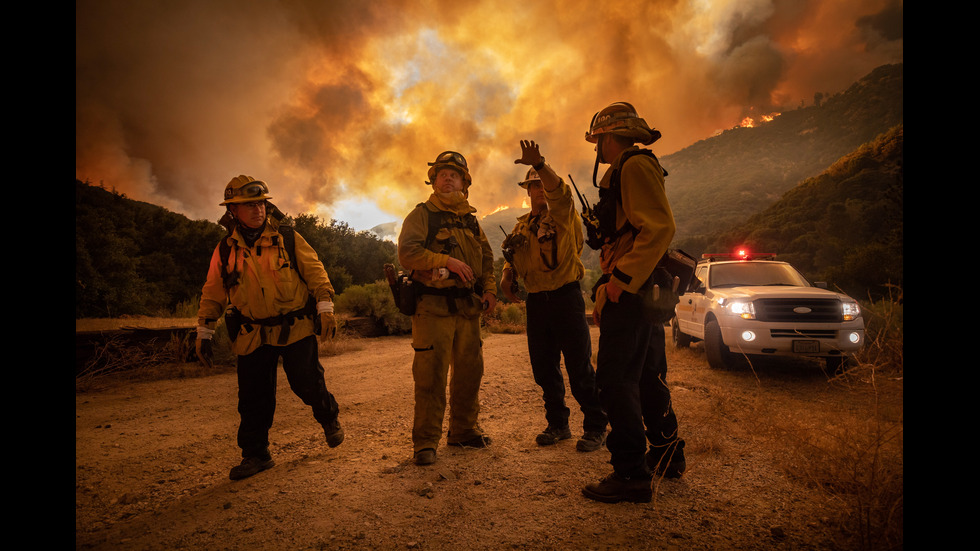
(284, 321)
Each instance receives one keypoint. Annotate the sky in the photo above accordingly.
(339, 105)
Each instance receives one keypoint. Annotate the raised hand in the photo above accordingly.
(530, 154)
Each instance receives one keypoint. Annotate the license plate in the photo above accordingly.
(806, 347)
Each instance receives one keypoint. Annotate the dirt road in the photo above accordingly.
(152, 460)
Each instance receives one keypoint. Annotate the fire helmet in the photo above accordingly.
(453, 160)
(532, 176)
(245, 189)
(620, 118)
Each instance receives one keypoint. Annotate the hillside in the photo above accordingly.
(723, 180)
(133, 257)
(843, 226)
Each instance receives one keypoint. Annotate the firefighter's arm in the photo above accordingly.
(646, 207)
(212, 306)
(318, 281)
(309, 266)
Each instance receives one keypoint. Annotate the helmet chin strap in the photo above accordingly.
(598, 155)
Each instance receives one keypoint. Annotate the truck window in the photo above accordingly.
(738, 274)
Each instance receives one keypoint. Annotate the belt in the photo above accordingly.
(450, 293)
(548, 295)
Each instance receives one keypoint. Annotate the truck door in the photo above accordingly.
(690, 310)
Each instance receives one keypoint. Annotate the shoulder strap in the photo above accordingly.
(607, 215)
(229, 280)
(614, 178)
(288, 234)
(434, 222)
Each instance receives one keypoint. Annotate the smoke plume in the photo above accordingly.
(347, 100)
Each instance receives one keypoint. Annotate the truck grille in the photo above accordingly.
(785, 310)
(803, 333)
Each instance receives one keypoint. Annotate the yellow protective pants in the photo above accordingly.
(442, 340)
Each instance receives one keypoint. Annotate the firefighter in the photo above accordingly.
(636, 226)
(451, 263)
(278, 291)
(546, 245)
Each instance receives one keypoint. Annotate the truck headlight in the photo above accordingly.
(851, 310)
(744, 310)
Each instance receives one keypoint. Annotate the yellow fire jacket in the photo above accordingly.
(455, 239)
(631, 258)
(555, 261)
(268, 286)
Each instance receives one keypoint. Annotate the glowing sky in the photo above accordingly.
(338, 105)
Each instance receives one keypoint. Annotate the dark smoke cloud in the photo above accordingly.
(339, 100)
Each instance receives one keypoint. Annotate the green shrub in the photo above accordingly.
(507, 317)
(374, 300)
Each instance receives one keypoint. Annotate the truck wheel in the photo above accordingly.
(680, 339)
(719, 356)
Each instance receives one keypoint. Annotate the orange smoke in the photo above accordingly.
(333, 102)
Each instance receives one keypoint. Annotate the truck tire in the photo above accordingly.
(680, 339)
(719, 356)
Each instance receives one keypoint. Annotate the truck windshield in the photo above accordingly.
(755, 273)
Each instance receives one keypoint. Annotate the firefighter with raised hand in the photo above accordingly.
(451, 263)
(546, 247)
(636, 227)
(276, 291)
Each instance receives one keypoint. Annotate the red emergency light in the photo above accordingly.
(741, 253)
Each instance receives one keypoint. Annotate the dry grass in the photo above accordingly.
(119, 360)
(345, 341)
(110, 324)
(851, 445)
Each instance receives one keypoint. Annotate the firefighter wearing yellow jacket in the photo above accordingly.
(451, 263)
(637, 226)
(544, 251)
(276, 291)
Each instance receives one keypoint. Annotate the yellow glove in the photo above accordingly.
(328, 323)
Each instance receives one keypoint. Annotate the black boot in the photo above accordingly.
(334, 433)
(250, 466)
(551, 435)
(615, 488)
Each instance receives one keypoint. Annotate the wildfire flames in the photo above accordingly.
(749, 122)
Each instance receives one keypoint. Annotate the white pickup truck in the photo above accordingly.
(745, 304)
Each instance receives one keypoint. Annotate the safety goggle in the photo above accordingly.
(254, 189)
(450, 157)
